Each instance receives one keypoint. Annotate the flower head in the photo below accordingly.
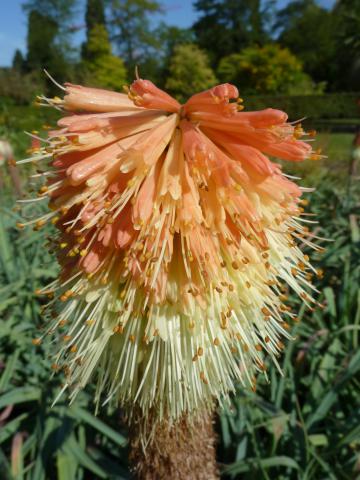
(177, 237)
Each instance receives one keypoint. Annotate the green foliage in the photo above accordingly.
(60, 15)
(42, 441)
(131, 32)
(189, 71)
(94, 14)
(326, 40)
(315, 107)
(62, 10)
(42, 31)
(101, 68)
(308, 31)
(226, 27)
(42, 49)
(19, 87)
(347, 36)
(267, 69)
(18, 62)
(169, 37)
(305, 425)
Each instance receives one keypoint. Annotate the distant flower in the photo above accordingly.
(177, 237)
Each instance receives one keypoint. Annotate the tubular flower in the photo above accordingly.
(177, 237)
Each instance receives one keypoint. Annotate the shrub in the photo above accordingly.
(101, 68)
(326, 106)
(266, 69)
(189, 71)
(19, 87)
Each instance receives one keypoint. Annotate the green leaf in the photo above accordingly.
(354, 228)
(352, 436)
(71, 447)
(11, 427)
(81, 414)
(255, 464)
(9, 370)
(20, 395)
(319, 440)
(17, 458)
(330, 298)
(225, 431)
(5, 467)
(330, 398)
(66, 466)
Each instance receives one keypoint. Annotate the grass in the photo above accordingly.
(303, 425)
(336, 148)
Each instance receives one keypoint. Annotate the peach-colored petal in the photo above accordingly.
(144, 203)
(80, 98)
(264, 118)
(293, 150)
(219, 94)
(147, 95)
(170, 176)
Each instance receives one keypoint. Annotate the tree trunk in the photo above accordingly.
(184, 450)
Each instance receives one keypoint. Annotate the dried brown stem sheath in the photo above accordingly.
(182, 451)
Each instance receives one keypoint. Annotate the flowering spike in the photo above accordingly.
(176, 236)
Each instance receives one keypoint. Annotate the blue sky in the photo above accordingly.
(13, 23)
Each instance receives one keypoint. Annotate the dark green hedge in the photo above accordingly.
(313, 107)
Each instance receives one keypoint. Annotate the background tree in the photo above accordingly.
(50, 26)
(227, 26)
(169, 37)
(309, 31)
(189, 71)
(94, 16)
(135, 40)
(42, 49)
(62, 12)
(18, 62)
(101, 68)
(268, 69)
(347, 38)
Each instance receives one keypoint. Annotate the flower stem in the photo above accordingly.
(184, 450)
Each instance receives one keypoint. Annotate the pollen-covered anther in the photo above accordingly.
(316, 155)
(320, 273)
(118, 329)
(235, 265)
(39, 224)
(294, 271)
(203, 378)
